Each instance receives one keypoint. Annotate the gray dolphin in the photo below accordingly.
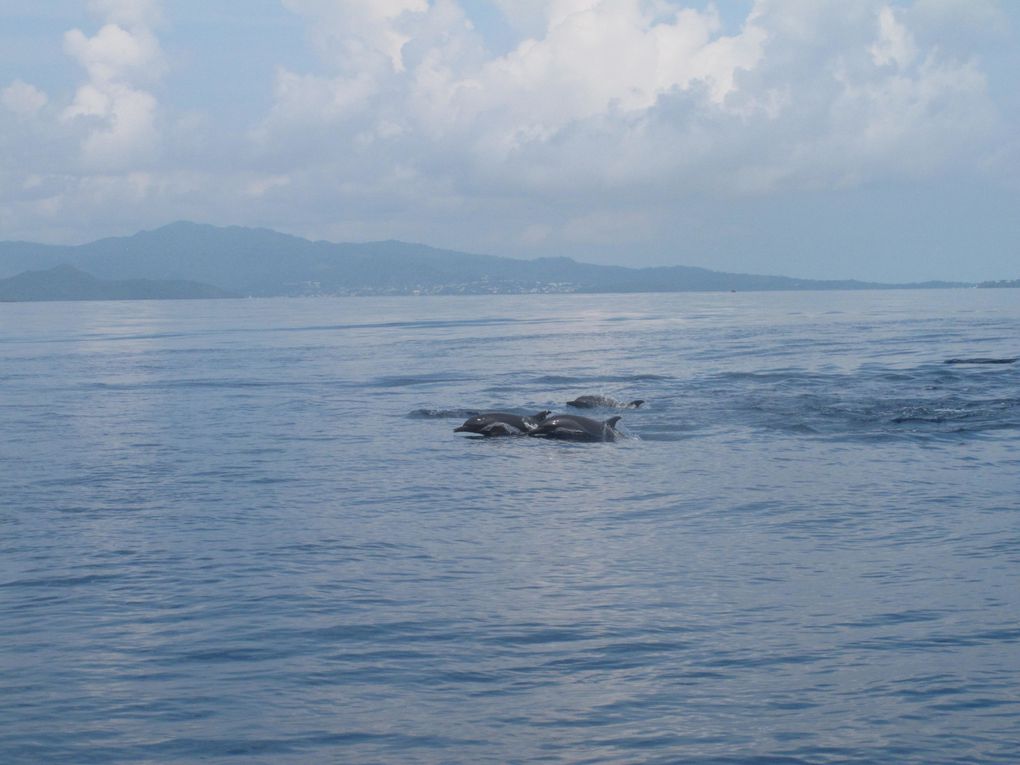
(603, 402)
(572, 427)
(501, 424)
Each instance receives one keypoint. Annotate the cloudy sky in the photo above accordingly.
(815, 138)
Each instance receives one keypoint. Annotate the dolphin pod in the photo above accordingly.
(544, 424)
(567, 427)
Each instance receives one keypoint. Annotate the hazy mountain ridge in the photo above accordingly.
(262, 262)
(66, 282)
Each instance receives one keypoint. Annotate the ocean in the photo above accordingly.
(244, 531)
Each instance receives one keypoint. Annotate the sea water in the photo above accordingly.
(245, 532)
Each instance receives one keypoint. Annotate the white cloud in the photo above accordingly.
(616, 93)
(117, 60)
(895, 44)
(354, 33)
(594, 58)
(361, 46)
(115, 54)
(597, 59)
(315, 99)
(23, 99)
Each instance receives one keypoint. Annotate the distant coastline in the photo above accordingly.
(66, 282)
(190, 261)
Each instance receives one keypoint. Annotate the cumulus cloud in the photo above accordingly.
(23, 99)
(361, 47)
(92, 157)
(635, 94)
(118, 60)
(895, 44)
(353, 33)
(595, 59)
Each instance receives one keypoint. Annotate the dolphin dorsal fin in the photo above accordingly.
(541, 415)
(637, 402)
(611, 422)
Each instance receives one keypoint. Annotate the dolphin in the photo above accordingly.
(603, 402)
(501, 424)
(572, 427)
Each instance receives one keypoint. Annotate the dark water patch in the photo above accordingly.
(892, 618)
(971, 415)
(240, 749)
(594, 379)
(406, 381)
(769, 377)
(235, 654)
(983, 361)
(201, 332)
(59, 582)
(331, 546)
(667, 434)
(921, 402)
(225, 384)
(636, 317)
(406, 325)
(443, 414)
(943, 642)
(814, 758)
(408, 632)
(970, 704)
(614, 657)
(539, 635)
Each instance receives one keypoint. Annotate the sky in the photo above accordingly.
(864, 139)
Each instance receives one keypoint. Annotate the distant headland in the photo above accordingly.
(191, 260)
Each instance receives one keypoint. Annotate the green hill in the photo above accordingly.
(66, 282)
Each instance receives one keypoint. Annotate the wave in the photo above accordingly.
(442, 414)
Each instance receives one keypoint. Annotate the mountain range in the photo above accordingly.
(198, 260)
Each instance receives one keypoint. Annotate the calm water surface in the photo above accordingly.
(244, 531)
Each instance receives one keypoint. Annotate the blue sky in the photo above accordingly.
(815, 138)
